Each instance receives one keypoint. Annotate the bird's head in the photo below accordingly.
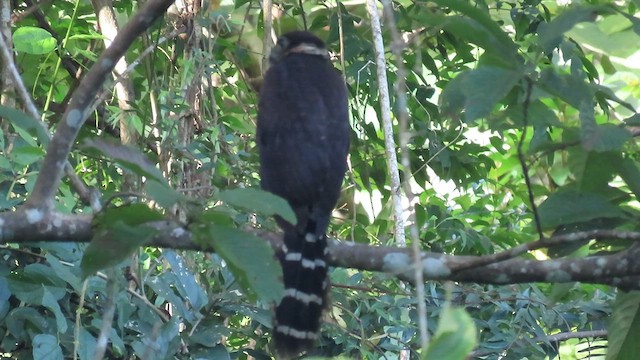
(298, 42)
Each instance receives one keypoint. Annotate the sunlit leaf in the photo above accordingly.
(551, 33)
(478, 91)
(33, 40)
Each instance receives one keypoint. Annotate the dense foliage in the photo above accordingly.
(508, 102)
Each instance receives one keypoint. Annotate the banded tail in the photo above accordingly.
(299, 314)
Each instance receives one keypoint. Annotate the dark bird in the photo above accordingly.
(303, 138)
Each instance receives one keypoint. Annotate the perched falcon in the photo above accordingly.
(303, 139)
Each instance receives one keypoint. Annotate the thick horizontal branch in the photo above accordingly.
(34, 225)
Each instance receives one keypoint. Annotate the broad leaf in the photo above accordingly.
(110, 246)
(455, 337)
(162, 193)
(551, 33)
(478, 27)
(137, 162)
(570, 88)
(119, 232)
(251, 259)
(33, 40)
(29, 284)
(630, 174)
(186, 282)
(259, 201)
(25, 122)
(478, 91)
(46, 347)
(130, 158)
(133, 214)
(623, 327)
(570, 207)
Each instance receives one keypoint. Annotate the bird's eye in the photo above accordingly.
(283, 42)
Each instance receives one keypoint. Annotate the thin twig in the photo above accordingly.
(403, 119)
(15, 17)
(78, 323)
(341, 36)
(304, 17)
(523, 161)
(545, 243)
(135, 63)
(107, 315)
(267, 6)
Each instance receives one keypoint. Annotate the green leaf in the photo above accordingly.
(163, 286)
(570, 207)
(90, 36)
(109, 247)
(130, 158)
(623, 327)
(27, 155)
(29, 285)
(118, 233)
(50, 301)
(455, 337)
(251, 260)
(630, 174)
(33, 40)
(592, 170)
(137, 162)
(588, 125)
(259, 201)
(606, 137)
(25, 122)
(133, 214)
(478, 91)
(620, 44)
(594, 137)
(64, 272)
(46, 347)
(550, 34)
(186, 282)
(209, 332)
(162, 193)
(453, 96)
(572, 89)
(165, 341)
(22, 320)
(87, 345)
(479, 28)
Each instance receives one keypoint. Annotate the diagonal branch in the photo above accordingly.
(6, 55)
(78, 109)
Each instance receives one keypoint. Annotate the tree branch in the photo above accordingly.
(78, 109)
(620, 269)
(79, 186)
